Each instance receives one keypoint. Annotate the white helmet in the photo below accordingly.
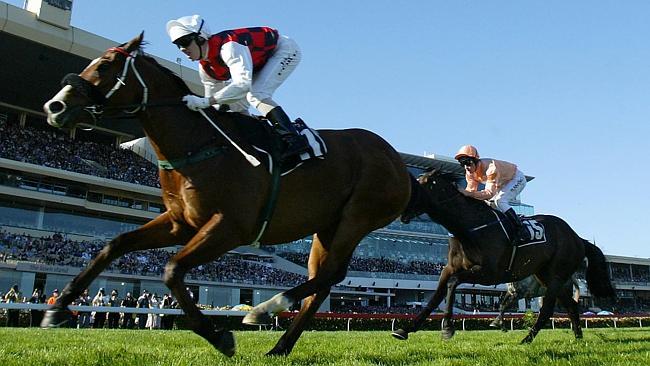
(191, 24)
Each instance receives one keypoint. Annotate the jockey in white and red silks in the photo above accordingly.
(240, 68)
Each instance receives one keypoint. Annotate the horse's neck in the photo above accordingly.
(181, 132)
(460, 215)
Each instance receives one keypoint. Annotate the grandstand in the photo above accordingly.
(64, 194)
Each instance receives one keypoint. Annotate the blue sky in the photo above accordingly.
(560, 88)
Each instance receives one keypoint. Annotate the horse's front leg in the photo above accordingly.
(157, 233)
(433, 303)
(448, 328)
(213, 240)
(467, 276)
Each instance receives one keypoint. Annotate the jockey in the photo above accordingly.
(503, 182)
(240, 67)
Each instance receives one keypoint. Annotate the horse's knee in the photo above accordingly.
(172, 274)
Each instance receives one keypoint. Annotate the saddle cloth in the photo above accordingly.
(317, 149)
(536, 231)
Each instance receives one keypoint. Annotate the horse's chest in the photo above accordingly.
(186, 208)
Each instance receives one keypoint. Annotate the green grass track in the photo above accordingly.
(20, 346)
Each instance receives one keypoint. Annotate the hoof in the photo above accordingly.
(56, 318)
(400, 334)
(579, 335)
(496, 323)
(448, 333)
(224, 341)
(257, 319)
(227, 343)
(529, 339)
(278, 352)
(504, 330)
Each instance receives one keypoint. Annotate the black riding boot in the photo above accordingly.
(519, 226)
(294, 142)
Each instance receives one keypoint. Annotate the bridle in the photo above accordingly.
(92, 92)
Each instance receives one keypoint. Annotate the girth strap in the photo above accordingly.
(194, 158)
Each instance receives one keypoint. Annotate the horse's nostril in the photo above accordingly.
(55, 106)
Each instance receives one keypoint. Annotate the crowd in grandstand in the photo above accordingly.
(56, 250)
(54, 149)
(365, 264)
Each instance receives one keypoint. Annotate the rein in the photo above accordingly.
(92, 92)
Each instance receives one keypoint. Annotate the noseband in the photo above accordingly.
(92, 92)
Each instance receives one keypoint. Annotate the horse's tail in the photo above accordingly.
(598, 280)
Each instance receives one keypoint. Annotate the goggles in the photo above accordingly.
(466, 162)
(185, 41)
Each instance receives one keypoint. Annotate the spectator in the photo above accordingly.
(142, 303)
(52, 299)
(114, 316)
(35, 316)
(153, 320)
(128, 318)
(166, 320)
(83, 317)
(13, 315)
(99, 317)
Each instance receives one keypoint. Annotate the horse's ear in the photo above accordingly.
(135, 43)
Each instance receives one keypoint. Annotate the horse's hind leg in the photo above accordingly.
(546, 311)
(506, 300)
(205, 246)
(328, 267)
(433, 303)
(310, 304)
(566, 299)
(157, 233)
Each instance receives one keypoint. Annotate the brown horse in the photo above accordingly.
(480, 253)
(215, 200)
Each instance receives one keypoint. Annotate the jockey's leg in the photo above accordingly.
(277, 69)
(157, 233)
(295, 143)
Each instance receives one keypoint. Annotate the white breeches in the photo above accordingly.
(508, 193)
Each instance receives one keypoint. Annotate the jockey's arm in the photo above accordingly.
(488, 192)
(472, 188)
(240, 62)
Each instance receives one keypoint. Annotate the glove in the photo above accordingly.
(195, 103)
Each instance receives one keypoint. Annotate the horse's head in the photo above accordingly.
(108, 81)
(432, 189)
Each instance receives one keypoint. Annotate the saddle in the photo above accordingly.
(534, 231)
(268, 144)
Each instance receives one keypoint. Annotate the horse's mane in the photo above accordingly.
(478, 205)
(177, 79)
